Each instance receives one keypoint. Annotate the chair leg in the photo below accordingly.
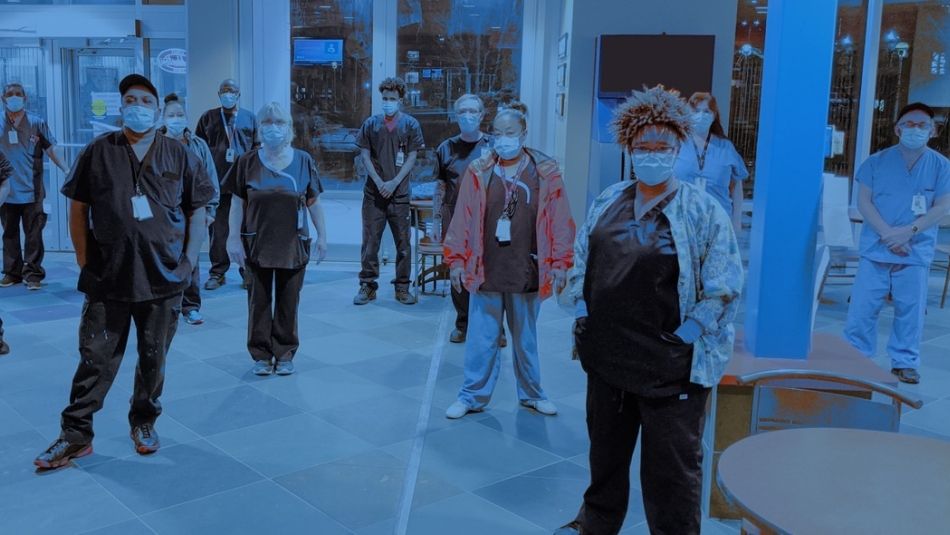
(946, 282)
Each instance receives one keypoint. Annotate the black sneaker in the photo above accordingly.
(60, 453)
(574, 528)
(365, 295)
(4, 347)
(457, 336)
(8, 281)
(145, 439)
(404, 297)
(214, 283)
(502, 340)
(33, 285)
(906, 375)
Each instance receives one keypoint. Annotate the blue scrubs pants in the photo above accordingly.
(907, 285)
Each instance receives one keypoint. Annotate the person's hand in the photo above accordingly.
(209, 220)
(901, 250)
(236, 251)
(559, 280)
(81, 260)
(897, 236)
(321, 250)
(387, 189)
(455, 275)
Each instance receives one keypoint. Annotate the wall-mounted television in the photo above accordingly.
(628, 62)
(308, 51)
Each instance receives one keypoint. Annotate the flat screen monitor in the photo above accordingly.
(309, 51)
(628, 62)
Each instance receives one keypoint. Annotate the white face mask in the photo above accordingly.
(228, 100)
(273, 135)
(915, 138)
(176, 126)
(468, 122)
(702, 121)
(138, 119)
(508, 147)
(14, 104)
(653, 168)
(390, 107)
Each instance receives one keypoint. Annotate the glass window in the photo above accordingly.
(27, 66)
(446, 48)
(330, 90)
(168, 66)
(846, 83)
(747, 82)
(912, 66)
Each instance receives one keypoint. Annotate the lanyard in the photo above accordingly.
(511, 187)
(227, 128)
(137, 174)
(701, 158)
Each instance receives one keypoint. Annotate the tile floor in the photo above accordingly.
(327, 450)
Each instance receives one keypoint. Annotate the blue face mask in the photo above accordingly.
(228, 100)
(273, 135)
(468, 123)
(390, 107)
(508, 147)
(176, 126)
(138, 119)
(14, 104)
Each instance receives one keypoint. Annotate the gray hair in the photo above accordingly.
(10, 85)
(273, 110)
(469, 96)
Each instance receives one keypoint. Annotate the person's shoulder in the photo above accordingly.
(938, 158)
(409, 120)
(35, 119)
(208, 114)
(304, 156)
(447, 143)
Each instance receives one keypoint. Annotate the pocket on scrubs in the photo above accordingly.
(249, 240)
(168, 190)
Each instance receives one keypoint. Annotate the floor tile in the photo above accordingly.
(934, 417)
(131, 527)
(469, 515)
(564, 435)
(321, 389)
(17, 451)
(402, 370)
(383, 420)
(225, 410)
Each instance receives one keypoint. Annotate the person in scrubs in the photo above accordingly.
(6, 170)
(656, 282)
(904, 193)
(276, 187)
(136, 219)
(26, 138)
(709, 161)
(388, 145)
(452, 159)
(176, 127)
(229, 131)
(510, 246)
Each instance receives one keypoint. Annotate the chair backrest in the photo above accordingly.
(775, 408)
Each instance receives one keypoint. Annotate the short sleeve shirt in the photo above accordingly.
(893, 188)
(222, 130)
(128, 259)
(721, 166)
(453, 157)
(33, 137)
(384, 146)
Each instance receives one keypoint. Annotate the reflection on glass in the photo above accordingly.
(330, 99)
(747, 82)
(168, 66)
(846, 83)
(94, 84)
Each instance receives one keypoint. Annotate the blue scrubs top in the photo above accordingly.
(26, 157)
(893, 188)
(722, 165)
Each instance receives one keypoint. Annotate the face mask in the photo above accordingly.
(468, 123)
(138, 119)
(652, 168)
(702, 121)
(14, 104)
(176, 126)
(390, 107)
(228, 100)
(273, 135)
(508, 147)
(915, 138)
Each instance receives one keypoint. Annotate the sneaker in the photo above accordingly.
(60, 453)
(457, 410)
(457, 336)
(502, 340)
(906, 375)
(573, 528)
(33, 285)
(263, 367)
(541, 405)
(8, 281)
(145, 439)
(193, 317)
(285, 367)
(365, 295)
(404, 297)
(4, 347)
(214, 283)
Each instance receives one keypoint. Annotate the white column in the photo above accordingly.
(211, 41)
(270, 54)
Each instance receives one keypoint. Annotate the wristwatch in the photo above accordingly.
(914, 229)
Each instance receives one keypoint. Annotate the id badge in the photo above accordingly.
(47, 208)
(300, 219)
(701, 182)
(12, 137)
(400, 158)
(503, 231)
(140, 208)
(919, 205)
(229, 156)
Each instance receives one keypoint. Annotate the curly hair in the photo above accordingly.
(516, 109)
(393, 84)
(654, 107)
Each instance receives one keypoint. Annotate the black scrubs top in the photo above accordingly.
(630, 288)
(130, 260)
(275, 231)
(513, 267)
(242, 126)
(384, 145)
(452, 159)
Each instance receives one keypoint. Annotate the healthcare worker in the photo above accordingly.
(510, 245)
(6, 170)
(709, 161)
(230, 131)
(275, 188)
(136, 218)
(388, 145)
(452, 159)
(904, 193)
(176, 127)
(656, 281)
(25, 139)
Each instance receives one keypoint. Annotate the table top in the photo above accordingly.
(816, 481)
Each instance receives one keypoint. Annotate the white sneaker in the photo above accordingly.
(541, 405)
(457, 410)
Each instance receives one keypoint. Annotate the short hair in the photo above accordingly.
(516, 109)
(393, 83)
(654, 107)
(275, 111)
(173, 98)
(8, 85)
(915, 106)
(469, 96)
(698, 98)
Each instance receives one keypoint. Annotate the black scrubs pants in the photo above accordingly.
(33, 219)
(377, 212)
(103, 334)
(218, 248)
(191, 299)
(273, 300)
(671, 477)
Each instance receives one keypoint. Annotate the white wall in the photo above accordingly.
(212, 43)
(584, 22)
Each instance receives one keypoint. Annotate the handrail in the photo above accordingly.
(851, 380)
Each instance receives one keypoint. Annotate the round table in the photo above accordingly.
(816, 481)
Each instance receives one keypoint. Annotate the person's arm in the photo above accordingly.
(370, 168)
(6, 171)
(457, 247)
(869, 211)
(316, 215)
(212, 171)
(79, 230)
(196, 232)
(563, 230)
(235, 222)
(404, 170)
(4, 191)
(437, 199)
(54, 157)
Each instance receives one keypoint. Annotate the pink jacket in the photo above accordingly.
(465, 240)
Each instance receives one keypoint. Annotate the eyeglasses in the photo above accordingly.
(662, 151)
(912, 124)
